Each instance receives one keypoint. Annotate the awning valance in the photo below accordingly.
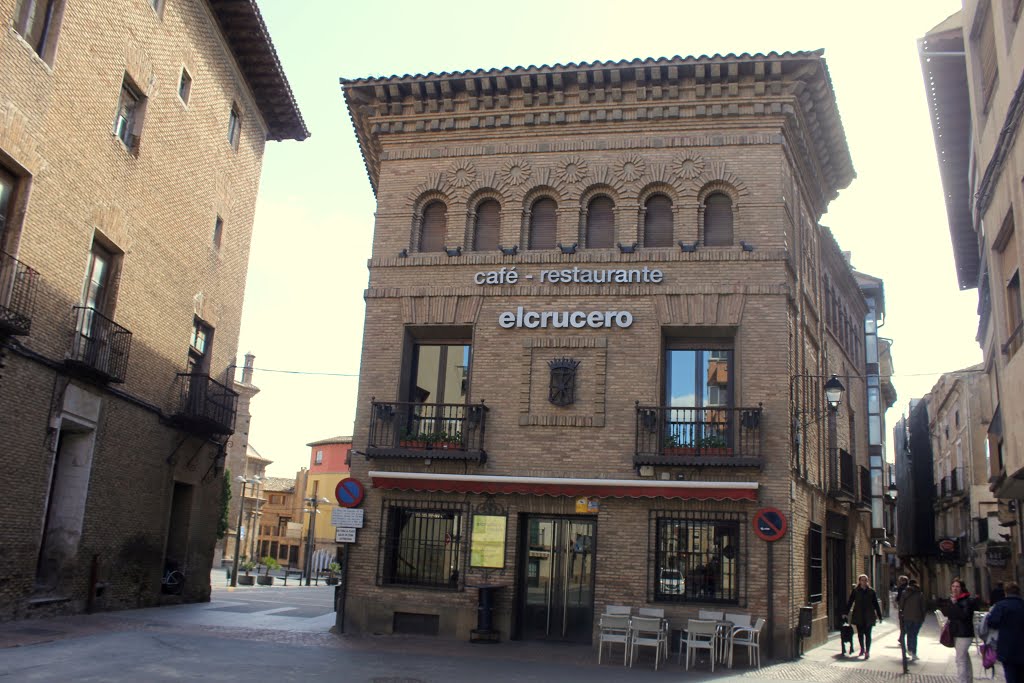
(564, 486)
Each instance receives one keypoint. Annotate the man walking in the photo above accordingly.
(901, 585)
(1008, 617)
(912, 611)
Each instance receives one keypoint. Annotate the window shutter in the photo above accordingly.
(542, 224)
(435, 223)
(601, 223)
(658, 222)
(717, 221)
(986, 44)
(488, 222)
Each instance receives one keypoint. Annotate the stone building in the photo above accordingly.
(280, 535)
(973, 66)
(611, 318)
(328, 465)
(130, 154)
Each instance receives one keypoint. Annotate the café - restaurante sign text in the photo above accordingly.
(573, 276)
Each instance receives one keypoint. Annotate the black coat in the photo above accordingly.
(1008, 617)
(864, 603)
(961, 617)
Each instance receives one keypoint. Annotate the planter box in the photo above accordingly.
(246, 580)
(332, 580)
(693, 450)
(265, 580)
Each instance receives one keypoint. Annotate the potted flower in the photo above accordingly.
(333, 569)
(246, 566)
(269, 564)
(713, 445)
(412, 439)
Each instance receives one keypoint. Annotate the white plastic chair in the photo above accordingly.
(750, 638)
(737, 621)
(646, 632)
(659, 613)
(618, 609)
(613, 628)
(710, 615)
(701, 635)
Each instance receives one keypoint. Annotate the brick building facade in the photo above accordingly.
(131, 141)
(609, 313)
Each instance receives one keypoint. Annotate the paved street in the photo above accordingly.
(282, 633)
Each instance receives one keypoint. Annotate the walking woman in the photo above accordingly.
(865, 612)
(960, 611)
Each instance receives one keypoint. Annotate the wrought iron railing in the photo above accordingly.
(841, 468)
(865, 485)
(398, 428)
(715, 431)
(18, 285)
(206, 405)
(99, 344)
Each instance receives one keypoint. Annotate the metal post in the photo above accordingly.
(238, 537)
(313, 503)
(339, 617)
(771, 604)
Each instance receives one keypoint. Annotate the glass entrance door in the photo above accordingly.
(557, 574)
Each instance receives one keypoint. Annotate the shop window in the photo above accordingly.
(717, 220)
(433, 227)
(696, 556)
(488, 224)
(542, 224)
(815, 553)
(600, 223)
(423, 545)
(658, 221)
(38, 22)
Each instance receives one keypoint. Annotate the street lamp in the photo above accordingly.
(834, 391)
(313, 503)
(238, 529)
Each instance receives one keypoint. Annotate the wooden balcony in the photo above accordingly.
(443, 431)
(698, 437)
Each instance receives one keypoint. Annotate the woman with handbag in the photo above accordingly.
(865, 612)
(960, 612)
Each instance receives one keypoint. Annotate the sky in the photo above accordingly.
(303, 310)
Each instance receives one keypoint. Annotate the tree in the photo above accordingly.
(225, 498)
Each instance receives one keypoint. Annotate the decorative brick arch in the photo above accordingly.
(659, 187)
(542, 180)
(478, 197)
(717, 178)
(536, 193)
(661, 174)
(434, 182)
(421, 202)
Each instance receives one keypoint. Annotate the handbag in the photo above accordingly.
(988, 655)
(946, 637)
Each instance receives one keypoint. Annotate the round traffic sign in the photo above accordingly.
(769, 524)
(349, 493)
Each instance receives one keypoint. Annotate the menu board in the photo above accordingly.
(488, 547)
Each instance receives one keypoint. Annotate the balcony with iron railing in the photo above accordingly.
(865, 486)
(842, 484)
(99, 346)
(443, 431)
(205, 406)
(951, 485)
(18, 284)
(713, 436)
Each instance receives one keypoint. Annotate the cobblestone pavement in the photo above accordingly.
(244, 635)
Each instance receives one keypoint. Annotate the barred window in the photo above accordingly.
(422, 544)
(695, 556)
(815, 552)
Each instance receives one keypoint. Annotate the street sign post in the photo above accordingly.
(350, 517)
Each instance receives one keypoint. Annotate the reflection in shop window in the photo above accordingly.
(696, 557)
(423, 546)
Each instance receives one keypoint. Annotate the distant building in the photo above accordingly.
(280, 529)
(131, 142)
(328, 466)
(973, 74)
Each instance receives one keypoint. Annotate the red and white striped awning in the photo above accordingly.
(564, 486)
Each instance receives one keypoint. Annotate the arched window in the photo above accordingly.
(435, 224)
(600, 223)
(542, 224)
(488, 222)
(717, 220)
(658, 221)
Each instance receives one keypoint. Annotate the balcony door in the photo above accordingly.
(698, 388)
(556, 578)
(440, 385)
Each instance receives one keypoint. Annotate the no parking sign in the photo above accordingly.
(770, 524)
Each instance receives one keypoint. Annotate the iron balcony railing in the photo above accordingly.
(452, 431)
(18, 284)
(205, 405)
(841, 468)
(99, 345)
(865, 485)
(668, 435)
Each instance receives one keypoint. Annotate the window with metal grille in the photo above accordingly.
(542, 224)
(38, 22)
(600, 223)
(658, 221)
(422, 544)
(488, 224)
(815, 553)
(983, 44)
(717, 220)
(695, 556)
(434, 227)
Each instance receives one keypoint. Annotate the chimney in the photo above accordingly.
(247, 369)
